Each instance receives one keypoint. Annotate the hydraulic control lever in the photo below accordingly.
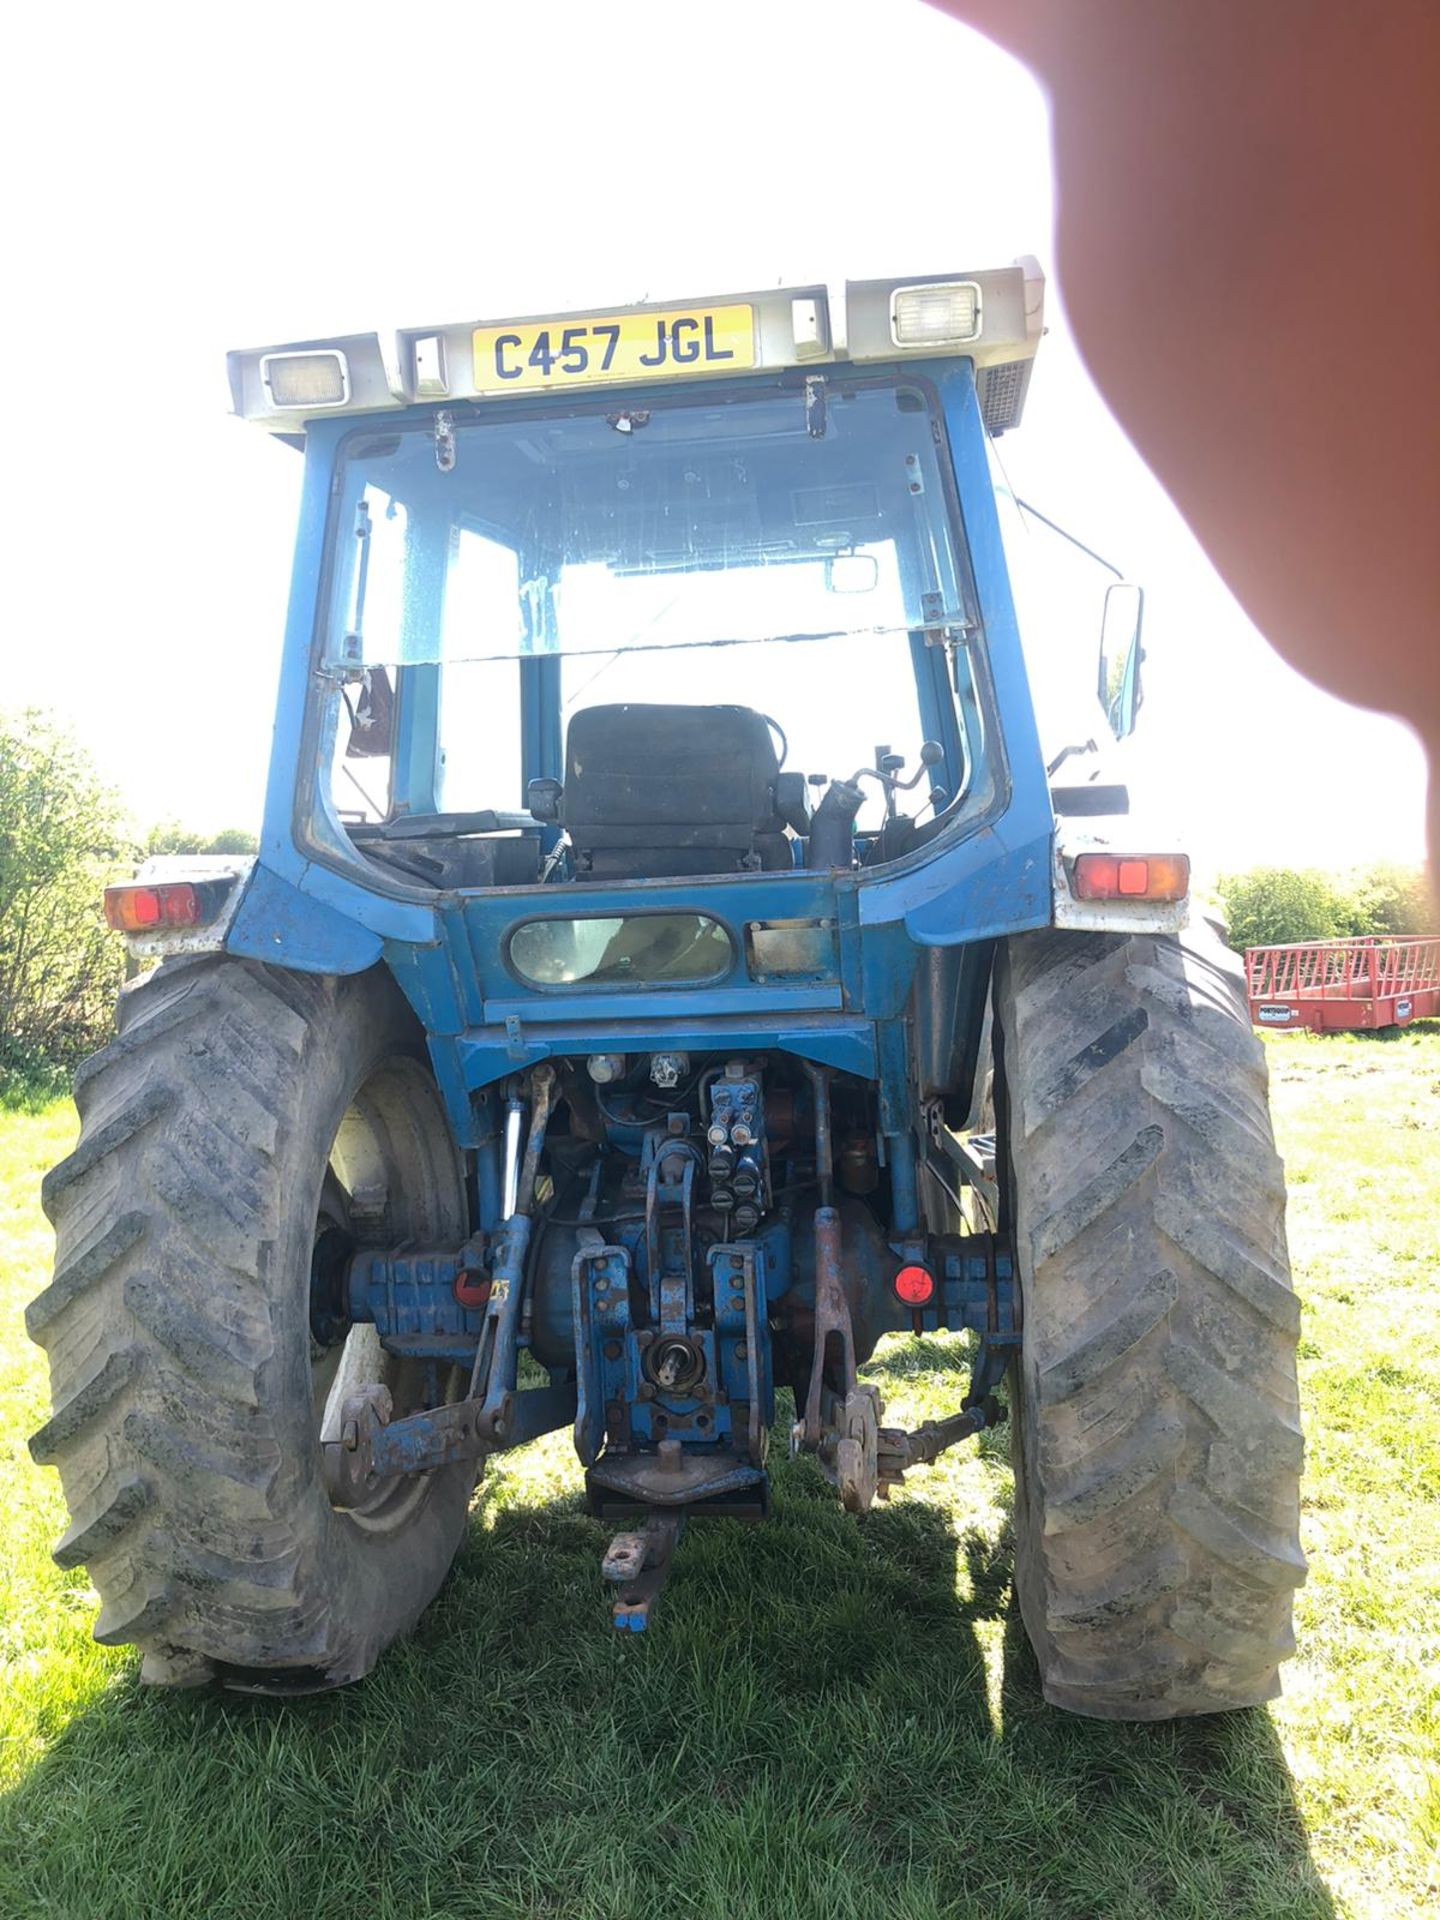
(887, 768)
(887, 771)
(832, 826)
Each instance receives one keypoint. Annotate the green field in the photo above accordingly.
(828, 1719)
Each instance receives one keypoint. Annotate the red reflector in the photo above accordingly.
(1131, 876)
(914, 1285)
(136, 909)
(471, 1290)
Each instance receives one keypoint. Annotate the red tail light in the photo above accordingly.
(1131, 876)
(915, 1286)
(167, 903)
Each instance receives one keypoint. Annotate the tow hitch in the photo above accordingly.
(639, 1564)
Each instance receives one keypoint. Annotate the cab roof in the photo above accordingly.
(993, 318)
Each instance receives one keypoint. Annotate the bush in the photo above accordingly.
(1274, 906)
(1396, 900)
(28, 1081)
(232, 840)
(168, 836)
(62, 838)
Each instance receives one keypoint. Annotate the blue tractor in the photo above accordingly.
(673, 962)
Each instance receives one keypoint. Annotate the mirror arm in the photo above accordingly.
(1089, 552)
(1083, 746)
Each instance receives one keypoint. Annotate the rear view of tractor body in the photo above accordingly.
(668, 969)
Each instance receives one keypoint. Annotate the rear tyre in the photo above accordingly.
(242, 1114)
(1156, 1431)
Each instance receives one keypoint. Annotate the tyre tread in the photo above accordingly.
(1158, 1436)
(161, 1331)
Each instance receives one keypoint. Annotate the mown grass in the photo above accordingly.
(828, 1719)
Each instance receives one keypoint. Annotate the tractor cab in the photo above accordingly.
(658, 594)
(650, 641)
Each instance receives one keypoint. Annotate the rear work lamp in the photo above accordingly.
(1131, 876)
(169, 903)
(946, 315)
(306, 379)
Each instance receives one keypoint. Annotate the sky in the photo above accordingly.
(183, 180)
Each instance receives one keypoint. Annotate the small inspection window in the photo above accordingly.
(621, 950)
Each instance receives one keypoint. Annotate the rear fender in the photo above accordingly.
(278, 922)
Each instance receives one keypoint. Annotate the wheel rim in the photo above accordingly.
(391, 1179)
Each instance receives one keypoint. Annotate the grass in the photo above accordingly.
(828, 1719)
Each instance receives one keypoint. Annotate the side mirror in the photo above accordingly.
(372, 729)
(851, 573)
(1120, 656)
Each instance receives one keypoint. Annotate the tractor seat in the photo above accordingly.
(655, 792)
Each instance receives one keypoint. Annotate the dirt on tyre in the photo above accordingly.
(1156, 1432)
(241, 1114)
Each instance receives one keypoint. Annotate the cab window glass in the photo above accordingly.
(618, 950)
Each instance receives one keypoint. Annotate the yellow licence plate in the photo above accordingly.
(620, 346)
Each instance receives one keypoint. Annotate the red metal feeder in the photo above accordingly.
(1326, 985)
